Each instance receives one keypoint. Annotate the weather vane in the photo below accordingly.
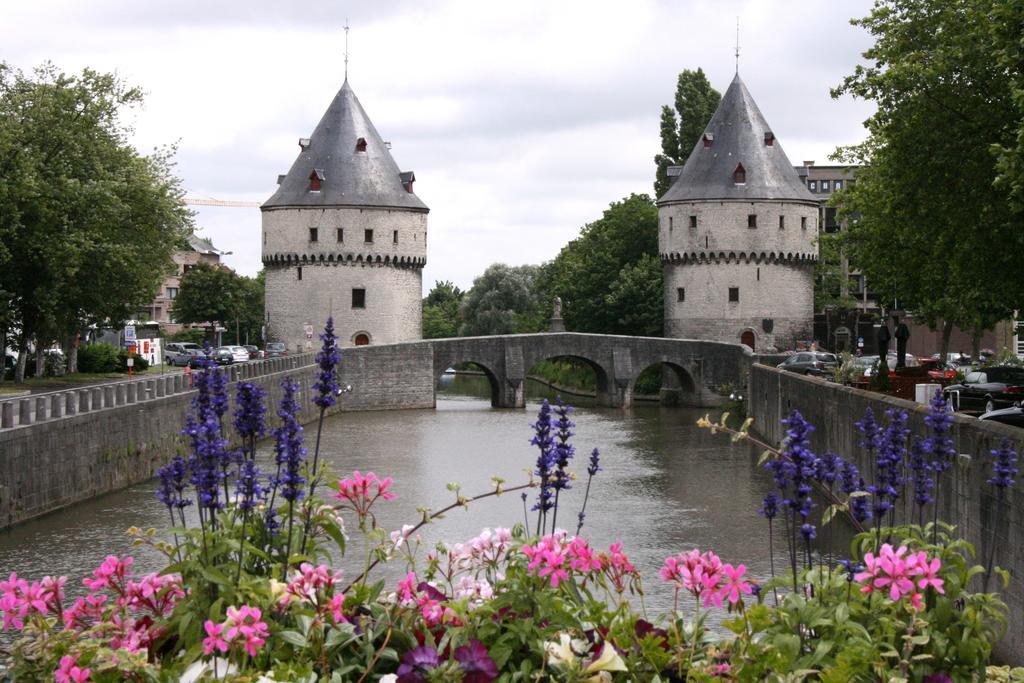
(737, 44)
(346, 47)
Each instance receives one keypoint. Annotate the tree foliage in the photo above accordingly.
(87, 224)
(683, 123)
(609, 278)
(928, 223)
(217, 295)
(441, 311)
(504, 300)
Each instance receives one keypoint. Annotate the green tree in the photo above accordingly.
(210, 295)
(596, 273)
(88, 226)
(503, 300)
(441, 311)
(683, 124)
(927, 222)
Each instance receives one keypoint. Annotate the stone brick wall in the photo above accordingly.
(771, 265)
(965, 499)
(389, 268)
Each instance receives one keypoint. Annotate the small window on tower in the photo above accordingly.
(769, 138)
(782, 222)
(314, 235)
(708, 138)
(358, 298)
(739, 176)
(693, 220)
(340, 236)
(299, 273)
(803, 222)
(394, 236)
(368, 235)
(670, 222)
(680, 294)
(752, 220)
(316, 178)
(361, 145)
(734, 294)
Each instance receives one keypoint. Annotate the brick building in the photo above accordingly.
(200, 251)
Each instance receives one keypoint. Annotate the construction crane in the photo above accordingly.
(193, 201)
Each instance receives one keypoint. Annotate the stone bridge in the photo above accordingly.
(698, 367)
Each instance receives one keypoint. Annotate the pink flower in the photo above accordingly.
(900, 575)
(110, 574)
(582, 558)
(356, 494)
(553, 566)
(336, 606)
(734, 586)
(245, 622)
(69, 672)
(617, 566)
(929, 573)
(213, 640)
(407, 589)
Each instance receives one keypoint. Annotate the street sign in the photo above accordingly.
(860, 341)
(130, 362)
(129, 332)
(309, 331)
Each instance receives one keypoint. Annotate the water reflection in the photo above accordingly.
(666, 486)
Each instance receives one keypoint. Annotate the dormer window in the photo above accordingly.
(361, 145)
(769, 138)
(408, 178)
(739, 176)
(315, 179)
(708, 139)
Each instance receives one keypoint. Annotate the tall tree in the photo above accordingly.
(927, 222)
(210, 295)
(683, 124)
(441, 311)
(503, 300)
(596, 273)
(87, 224)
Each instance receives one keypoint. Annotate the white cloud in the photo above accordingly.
(523, 121)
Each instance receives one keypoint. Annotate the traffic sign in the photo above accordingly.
(309, 331)
(129, 332)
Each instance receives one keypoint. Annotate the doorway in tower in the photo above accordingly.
(748, 338)
(361, 339)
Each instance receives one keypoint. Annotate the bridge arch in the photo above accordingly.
(604, 384)
(483, 367)
(677, 384)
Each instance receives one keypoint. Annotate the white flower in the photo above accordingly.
(399, 537)
(198, 668)
(389, 678)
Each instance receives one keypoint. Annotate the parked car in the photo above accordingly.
(988, 389)
(240, 354)
(254, 351)
(864, 365)
(811, 363)
(890, 360)
(175, 349)
(222, 355)
(1013, 416)
(192, 358)
(275, 349)
(939, 371)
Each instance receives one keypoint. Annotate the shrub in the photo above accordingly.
(99, 358)
(189, 334)
(140, 362)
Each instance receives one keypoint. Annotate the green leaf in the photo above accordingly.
(293, 638)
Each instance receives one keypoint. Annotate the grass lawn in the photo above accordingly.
(75, 379)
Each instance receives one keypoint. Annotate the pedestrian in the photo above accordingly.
(188, 374)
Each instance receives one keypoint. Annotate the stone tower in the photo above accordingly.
(344, 235)
(737, 233)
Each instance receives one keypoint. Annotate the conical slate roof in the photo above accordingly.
(737, 136)
(348, 177)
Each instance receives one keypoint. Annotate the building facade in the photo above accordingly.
(737, 235)
(162, 309)
(344, 236)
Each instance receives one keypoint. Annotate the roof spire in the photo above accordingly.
(737, 44)
(346, 48)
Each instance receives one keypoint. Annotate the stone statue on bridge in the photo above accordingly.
(557, 324)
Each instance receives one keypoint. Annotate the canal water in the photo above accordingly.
(666, 486)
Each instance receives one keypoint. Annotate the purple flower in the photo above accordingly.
(770, 507)
(250, 493)
(938, 444)
(595, 463)
(417, 662)
(808, 532)
(289, 453)
(1004, 465)
(921, 472)
(250, 422)
(173, 480)
(542, 440)
(326, 386)
(562, 451)
(852, 569)
(477, 665)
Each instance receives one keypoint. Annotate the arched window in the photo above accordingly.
(739, 176)
(315, 179)
(361, 145)
(361, 339)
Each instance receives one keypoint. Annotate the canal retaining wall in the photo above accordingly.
(965, 497)
(69, 446)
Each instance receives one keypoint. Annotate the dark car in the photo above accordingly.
(254, 351)
(811, 363)
(222, 355)
(190, 357)
(1008, 416)
(275, 349)
(988, 389)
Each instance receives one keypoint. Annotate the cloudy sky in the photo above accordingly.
(522, 120)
